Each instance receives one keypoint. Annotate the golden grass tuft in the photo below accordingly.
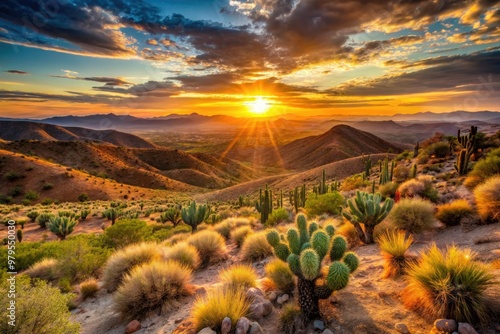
(487, 197)
(211, 246)
(348, 231)
(280, 275)
(239, 234)
(46, 269)
(124, 260)
(185, 254)
(449, 285)
(151, 286)
(290, 319)
(89, 288)
(218, 303)
(239, 275)
(452, 213)
(255, 247)
(224, 228)
(413, 215)
(394, 247)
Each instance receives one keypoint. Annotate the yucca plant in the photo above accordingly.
(112, 214)
(172, 215)
(304, 249)
(449, 285)
(194, 215)
(62, 226)
(394, 246)
(367, 209)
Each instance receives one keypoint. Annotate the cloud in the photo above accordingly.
(16, 72)
(6, 95)
(108, 81)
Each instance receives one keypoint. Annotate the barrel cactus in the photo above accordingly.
(304, 248)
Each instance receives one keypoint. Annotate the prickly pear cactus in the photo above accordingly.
(304, 249)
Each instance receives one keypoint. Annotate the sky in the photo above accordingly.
(248, 57)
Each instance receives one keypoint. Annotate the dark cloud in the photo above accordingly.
(6, 95)
(106, 80)
(16, 72)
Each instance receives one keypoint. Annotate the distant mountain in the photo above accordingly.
(18, 130)
(450, 117)
(339, 143)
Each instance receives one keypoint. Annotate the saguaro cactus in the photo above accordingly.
(366, 209)
(415, 149)
(299, 197)
(385, 172)
(468, 143)
(304, 249)
(193, 215)
(367, 162)
(265, 204)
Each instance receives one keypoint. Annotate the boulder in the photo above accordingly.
(446, 325)
(402, 328)
(465, 328)
(225, 326)
(132, 327)
(207, 330)
(255, 328)
(242, 326)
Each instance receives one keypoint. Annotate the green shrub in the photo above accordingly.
(46, 269)
(126, 232)
(401, 172)
(413, 215)
(449, 285)
(452, 213)
(280, 275)
(40, 308)
(330, 203)
(487, 196)
(62, 226)
(388, 190)
(12, 176)
(255, 247)
(83, 197)
(278, 215)
(31, 195)
(47, 186)
(32, 215)
(354, 182)
(291, 319)
(185, 254)
(239, 234)
(43, 219)
(438, 150)
(482, 170)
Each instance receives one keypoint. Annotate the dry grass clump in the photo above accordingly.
(239, 275)
(124, 260)
(483, 170)
(487, 197)
(348, 231)
(394, 247)
(218, 303)
(290, 319)
(224, 228)
(239, 235)
(449, 285)
(176, 238)
(185, 254)
(413, 215)
(388, 190)
(280, 275)
(151, 286)
(89, 288)
(211, 246)
(255, 247)
(46, 269)
(419, 187)
(452, 213)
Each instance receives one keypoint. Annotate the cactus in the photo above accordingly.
(305, 248)
(468, 143)
(366, 209)
(415, 150)
(19, 234)
(385, 172)
(265, 204)
(323, 187)
(43, 219)
(112, 214)
(413, 172)
(62, 226)
(335, 186)
(193, 215)
(299, 197)
(367, 162)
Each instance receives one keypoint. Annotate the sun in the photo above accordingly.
(259, 106)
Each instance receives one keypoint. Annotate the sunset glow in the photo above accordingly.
(259, 106)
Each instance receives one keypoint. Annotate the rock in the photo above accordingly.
(465, 328)
(402, 328)
(259, 310)
(133, 327)
(366, 284)
(327, 331)
(255, 293)
(333, 300)
(282, 299)
(225, 326)
(446, 325)
(272, 296)
(242, 326)
(200, 291)
(207, 330)
(319, 325)
(178, 320)
(255, 328)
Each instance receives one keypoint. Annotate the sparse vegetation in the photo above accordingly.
(330, 203)
(89, 288)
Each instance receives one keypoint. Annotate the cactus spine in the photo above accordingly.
(265, 204)
(468, 143)
(304, 249)
(193, 215)
(366, 209)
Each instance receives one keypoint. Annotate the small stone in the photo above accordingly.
(226, 325)
(383, 294)
(402, 328)
(200, 291)
(282, 299)
(446, 325)
(366, 284)
(327, 331)
(178, 320)
(133, 327)
(255, 328)
(272, 296)
(242, 326)
(207, 330)
(319, 325)
(333, 300)
(255, 293)
(465, 328)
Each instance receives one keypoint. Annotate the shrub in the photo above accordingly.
(388, 190)
(401, 172)
(185, 254)
(348, 231)
(482, 170)
(62, 226)
(240, 234)
(32, 215)
(420, 187)
(47, 186)
(124, 260)
(354, 182)
(290, 319)
(46, 269)
(330, 203)
(151, 286)
(217, 304)
(239, 275)
(449, 285)
(452, 213)
(125, 232)
(277, 216)
(413, 215)
(438, 150)
(224, 228)
(31, 195)
(40, 308)
(487, 196)
(89, 288)
(255, 247)
(83, 197)
(394, 246)
(210, 245)
(12, 176)
(280, 274)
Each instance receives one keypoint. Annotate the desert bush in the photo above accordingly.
(210, 245)
(420, 187)
(32, 215)
(240, 234)
(277, 216)
(438, 150)
(482, 170)
(354, 182)
(151, 286)
(221, 302)
(290, 319)
(330, 203)
(280, 275)
(255, 247)
(487, 196)
(46, 269)
(224, 228)
(40, 308)
(125, 232)
(61, 226)
(123, 261)
(413, 215)
(43, 219)
(388, 190)
(423, 158)
(452, 213)
(394, 246)
(449, 285)
(185, 254)
(175, 239)
(401, 172)
(239, 275)
(89, 288)
(348, 231)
